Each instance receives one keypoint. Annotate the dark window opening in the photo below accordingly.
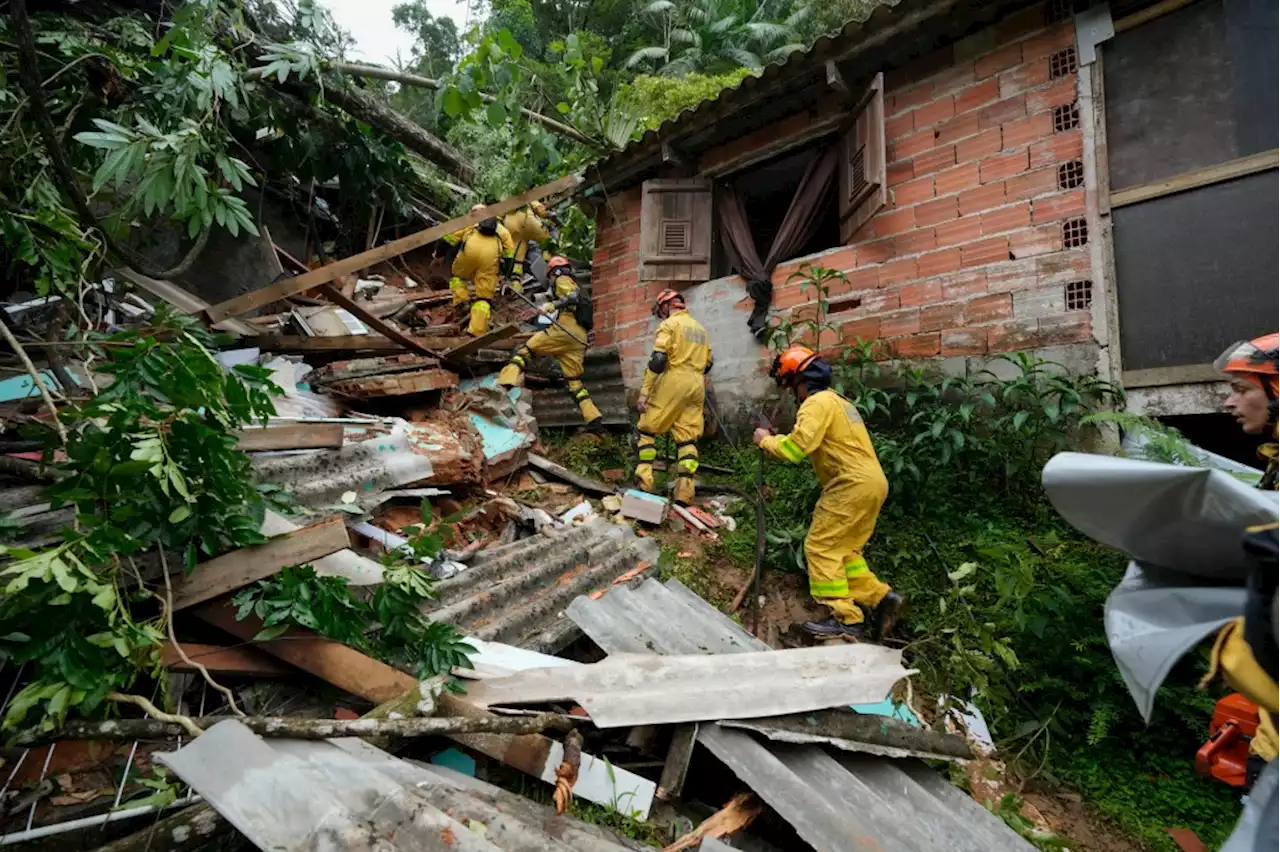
(1075, 233)
(1218, 433)
(1070, 175)
(1079, 295)
(1066, 118)
(766, 192)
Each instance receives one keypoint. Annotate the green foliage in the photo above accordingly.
(660, 98)
(388, 624)
(1161, 443)
(1009, 809)
(716, 36)
(151, 461)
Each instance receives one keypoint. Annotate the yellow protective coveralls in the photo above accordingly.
(559, 343)
(480, 262)
(674, 401)
(524, 225)
(830, 432)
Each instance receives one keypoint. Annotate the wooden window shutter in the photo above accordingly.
(675, 230)
(863, 183)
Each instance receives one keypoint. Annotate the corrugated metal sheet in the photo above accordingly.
(845, 803)
(300, 796)
(517, 593)
(899, 32)
(656, 690)
(554, 406)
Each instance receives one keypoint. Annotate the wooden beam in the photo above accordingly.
(395, 248)
(364, 343)
(220, 660)
(1155, 377)
(386, 329)
(1261, 162)
(676, 767)
(483, 341)
(186, 302)
(291, 436)
(241, 567)
(1143, 16)
(559, 472)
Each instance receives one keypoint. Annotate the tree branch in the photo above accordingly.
(183, 723)
(427, 83)
(29, 77)
(35, 375)
(166, 726)
(168, 618)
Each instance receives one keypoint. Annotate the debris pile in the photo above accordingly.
(536, 641)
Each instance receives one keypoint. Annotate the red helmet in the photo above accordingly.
(668, 300)
(788, 366)
(558, 262)
(1256, 360)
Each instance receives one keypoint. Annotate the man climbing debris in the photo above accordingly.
(479, 261)
(565, 340)
(673, 392)
(830, 432)
(527, 224)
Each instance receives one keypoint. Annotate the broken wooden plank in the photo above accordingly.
(188, 303)
(484, 341)
(223, 661)
(345, 668)
(396, 384)
(739, 813)
(384, 328)
(292, 436)
(395, 248)
(586, 483)
(241, 567)
(352, 671)
(676, 767)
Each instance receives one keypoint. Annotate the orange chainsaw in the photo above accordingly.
(1226, 754)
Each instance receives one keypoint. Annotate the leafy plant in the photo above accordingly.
(151, 461)
(388, 625)
(1009, 809)
(715, 36)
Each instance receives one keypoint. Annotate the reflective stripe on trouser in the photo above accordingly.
(458, 288)
(842, 523)
(675, 406)
(511, 374)
(686, 469)
(479, 322)
(582, 396)
(646, 452)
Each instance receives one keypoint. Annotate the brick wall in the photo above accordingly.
(981, 234)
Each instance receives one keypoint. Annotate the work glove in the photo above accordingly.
(642, 403)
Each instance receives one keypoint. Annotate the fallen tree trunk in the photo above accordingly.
(308, 729)
(407, 79)
(189, 828)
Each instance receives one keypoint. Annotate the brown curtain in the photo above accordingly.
(809, 204)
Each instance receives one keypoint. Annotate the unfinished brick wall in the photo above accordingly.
(969, 256)
(982, 247)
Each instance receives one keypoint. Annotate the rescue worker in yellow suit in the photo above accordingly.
(525, 224)
(1253, 368)
(830, 432)
(566, 342)
(482, 249)
(673, 392)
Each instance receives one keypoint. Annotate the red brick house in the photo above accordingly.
(1096, 184)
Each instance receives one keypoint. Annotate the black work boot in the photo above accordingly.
(830, 628)
(885, 615)
(595, 427)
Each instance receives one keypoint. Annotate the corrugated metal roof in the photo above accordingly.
(555, 407)
(308, 796)
(517, 593)
(887, 26)
(847, 802)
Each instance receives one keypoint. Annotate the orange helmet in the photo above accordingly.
(788, 366)
(558, 262)
(1256, 360)
(668, 300)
